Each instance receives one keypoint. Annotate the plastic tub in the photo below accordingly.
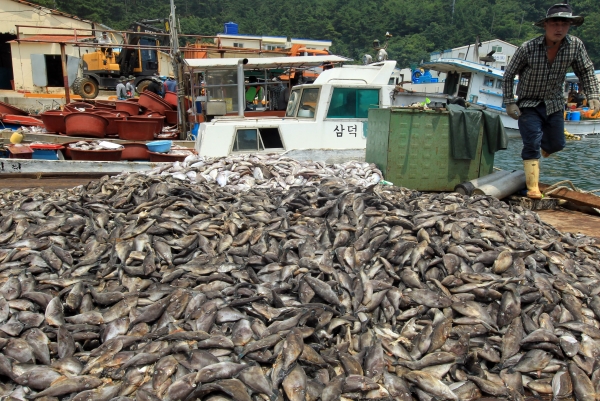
(112, 118)
(135, 151)
(6, 108)
(86, 124)
(154, 102)
(131, 107)
(159, 146)
(165, 157)
(171, 117)
(575, 116)
(157, 119)
(96, 155)
(54, 121)
(134, 130)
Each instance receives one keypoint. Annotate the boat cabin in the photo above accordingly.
(325, 120)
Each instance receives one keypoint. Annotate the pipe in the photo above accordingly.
(240, 83)
(63, 58)
(503, 187)
(467, 187)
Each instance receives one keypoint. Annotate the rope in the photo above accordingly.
(556, 186)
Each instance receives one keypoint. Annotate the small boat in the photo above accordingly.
(481, 85)
(325, 121)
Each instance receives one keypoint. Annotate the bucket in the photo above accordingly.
(575, 116)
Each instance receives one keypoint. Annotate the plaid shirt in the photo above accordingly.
(541, 82)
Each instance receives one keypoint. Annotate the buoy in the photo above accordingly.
(16, 137)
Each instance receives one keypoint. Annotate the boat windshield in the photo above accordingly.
(308, 102)
(292, 103)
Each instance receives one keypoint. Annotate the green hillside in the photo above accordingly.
(418, 27)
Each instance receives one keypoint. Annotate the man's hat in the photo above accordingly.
(171, 75)
(131, 78)
(156, 79)
(122, 79)
(561, 11)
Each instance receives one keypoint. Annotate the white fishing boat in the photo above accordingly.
(326, 120)
(481, 85)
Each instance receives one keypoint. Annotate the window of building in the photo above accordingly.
(497, 49)
(499, 84)
(461, 56)
(238, 44)
(252, 139)
(273, 47)
(352, 102)
(487, 81)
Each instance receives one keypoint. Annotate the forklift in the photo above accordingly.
(103, 67)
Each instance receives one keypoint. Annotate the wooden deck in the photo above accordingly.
(572, 222)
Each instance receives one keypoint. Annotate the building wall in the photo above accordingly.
(312, 44)
(21, 58)
(13, 13)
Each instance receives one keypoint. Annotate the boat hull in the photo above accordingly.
(12, 166)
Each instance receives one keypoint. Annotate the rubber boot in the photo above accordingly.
(545, 154)
(532, 178)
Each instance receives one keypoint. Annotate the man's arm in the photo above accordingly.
(516, 64)
(584, 69)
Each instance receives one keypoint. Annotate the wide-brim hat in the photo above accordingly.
(171, 75)
(130, 78)
(561, 11)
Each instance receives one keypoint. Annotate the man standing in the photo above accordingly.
(121, 90)
(171, 84)
(129, 87)
(155, 86)
(541, 64)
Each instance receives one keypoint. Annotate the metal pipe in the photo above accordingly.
(240, 82)
(504, 186)
(467, 188)
(63, 58)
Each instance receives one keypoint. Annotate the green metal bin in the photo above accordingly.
(412, 148)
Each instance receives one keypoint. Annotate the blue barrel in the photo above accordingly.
(575, 115)
(231, 28)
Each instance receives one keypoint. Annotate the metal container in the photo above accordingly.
(412, 148)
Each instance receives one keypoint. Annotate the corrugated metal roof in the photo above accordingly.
(266, 62)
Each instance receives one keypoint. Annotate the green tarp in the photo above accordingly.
(465, 125)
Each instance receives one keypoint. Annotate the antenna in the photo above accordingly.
(453, 1)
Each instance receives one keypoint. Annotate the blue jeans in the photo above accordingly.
(539, 130)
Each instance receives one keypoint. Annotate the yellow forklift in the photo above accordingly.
(103, 67)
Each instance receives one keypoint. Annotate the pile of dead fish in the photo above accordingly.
(269, 171)
(148, 287)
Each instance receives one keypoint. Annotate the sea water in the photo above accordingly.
(578, 162)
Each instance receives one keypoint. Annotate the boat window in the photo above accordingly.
(252, 139)
(292, 103)
(499, 84)
(270, 138)
(247, 139)
(308, 103)
(352, 102)
(487, 81)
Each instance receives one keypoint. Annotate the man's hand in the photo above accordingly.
(594, 105)
(513, 111)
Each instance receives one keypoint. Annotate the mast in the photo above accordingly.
(178, 72)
